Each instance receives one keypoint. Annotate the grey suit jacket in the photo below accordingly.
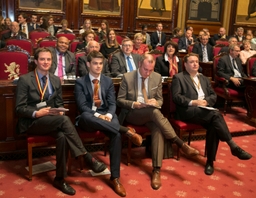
(84, 95)
(197, 48)
(83, 69)
(128, 91)
(70, 62)
(183, 91)
(225, 68)
(118, 64)
(28, 95)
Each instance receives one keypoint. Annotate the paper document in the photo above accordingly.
(105, 172)
(209, 108)
(44, 167)
(61, 109)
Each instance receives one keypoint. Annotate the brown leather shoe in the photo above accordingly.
(134, 137)
(188, 150)
(156, 180)
(118, 187)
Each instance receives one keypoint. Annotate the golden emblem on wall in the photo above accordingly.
(13, 69)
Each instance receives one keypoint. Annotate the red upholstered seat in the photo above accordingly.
(24, 44)
(69, 36)
(77, 55)
(175, 39)
(36, 35)
(160, 48)
(47, 42)
(73, 45)
(119, 39)
(249, 64)
(223, 42)
(155, 53)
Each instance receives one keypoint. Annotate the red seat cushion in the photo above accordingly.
(232, 92)
(183, 125)
(39, 139)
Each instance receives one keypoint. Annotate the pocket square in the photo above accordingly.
(154, 88)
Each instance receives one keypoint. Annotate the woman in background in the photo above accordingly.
(247, 52)
(87, 26)
(87, 36)
(146, 36)
(139, 47)
(102, 31)
(64, 27)
(110, 44)
(169, 64)
(7, 22)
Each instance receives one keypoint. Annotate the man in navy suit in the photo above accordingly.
(158, 37)
(192, 90)
(185, 40)
(24, 26)
(96, 101)
(33, 22)
(203, 49)
(38, 95)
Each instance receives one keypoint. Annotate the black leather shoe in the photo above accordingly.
(241, 154)
(209, 168)
(63, 186)
(96, 166)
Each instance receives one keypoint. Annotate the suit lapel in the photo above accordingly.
(123, 60)
(34, 83)
(135, 78)
(102, 87)
(189, 80)
(88, 85)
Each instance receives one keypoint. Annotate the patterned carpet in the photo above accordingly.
(180, 179)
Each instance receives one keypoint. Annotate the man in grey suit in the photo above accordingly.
(204, 49)
(82, 61)
(193, 94)
(63, 62)
(100, 115)
(124, 61)
(140, 106)
(39, 106)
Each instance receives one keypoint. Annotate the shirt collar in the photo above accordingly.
(166, 58)
(92, 77)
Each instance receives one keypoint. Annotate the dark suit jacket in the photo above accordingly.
(182, 43)
(183, 91)
(81, 46)
(30, 28)
(7, 35)
(32, 25)
(83, 69)
(155, 40)
(224, 49)
(217, 37)
(84, 95)
(253, 72)
(225, 68)
(70, 62)
(197, 48)
(162, 66)
(118, 64)
(28, 95)
(243, 38)
(128, 91)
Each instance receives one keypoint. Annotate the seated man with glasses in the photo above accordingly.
(124, 61)
(230, 68)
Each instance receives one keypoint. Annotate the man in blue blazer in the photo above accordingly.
(186, 40)
(96, 101)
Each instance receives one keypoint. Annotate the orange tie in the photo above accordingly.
(96, 97)
(143, 89)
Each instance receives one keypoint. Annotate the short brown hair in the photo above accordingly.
(39, 50)
(94, 54)
(185, 59)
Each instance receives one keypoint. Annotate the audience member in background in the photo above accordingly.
(146, 36)
(203, 49)
(200, 33)
(98, 113)
(230, 67)
(221, 34)
(169, 63)
(64, 27)
(8, 22)
(51, 28)
(246, 52)
(124, 61)
(185, 40)
(240, 34)
(231, 40)
(102, 31)
(87, 37)
(158, 37)
(87, 26)
(63, 61)
(253, 38)
(139, 107)
(24, 26)
(249, 31)
(177, 32)
(190, 90)
(192, 30)
(110, 45)
(14, 33)
(139, 47)
(37, 116)
(33, 22)
(82, 60)
(211, 40)
(43, 23)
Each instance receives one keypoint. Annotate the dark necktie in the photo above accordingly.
(129, 63)
(160, 38)
(96, 97)
(143, 89)
(234, 65)
(46, 93)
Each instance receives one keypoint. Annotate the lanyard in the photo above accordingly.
(197, 85)
(42, 92)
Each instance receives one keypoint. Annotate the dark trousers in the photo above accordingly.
(89, 122)
(61, 128)
(216, 128)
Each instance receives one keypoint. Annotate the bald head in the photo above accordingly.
(15, 27)
(93, 45)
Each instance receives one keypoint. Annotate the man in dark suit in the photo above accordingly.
(38, 97)
(204, 49)
(82, 61)
(24, 26)
(185, 40)
(221, 35)
(240, 34)
(124, 61)
(33, 22)
(232, 40)
(14, 33)
(158, 37)
(63, 62)
(96, 101)
(140, 97)
(230, 67)
(253, 72)
(190, 91)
